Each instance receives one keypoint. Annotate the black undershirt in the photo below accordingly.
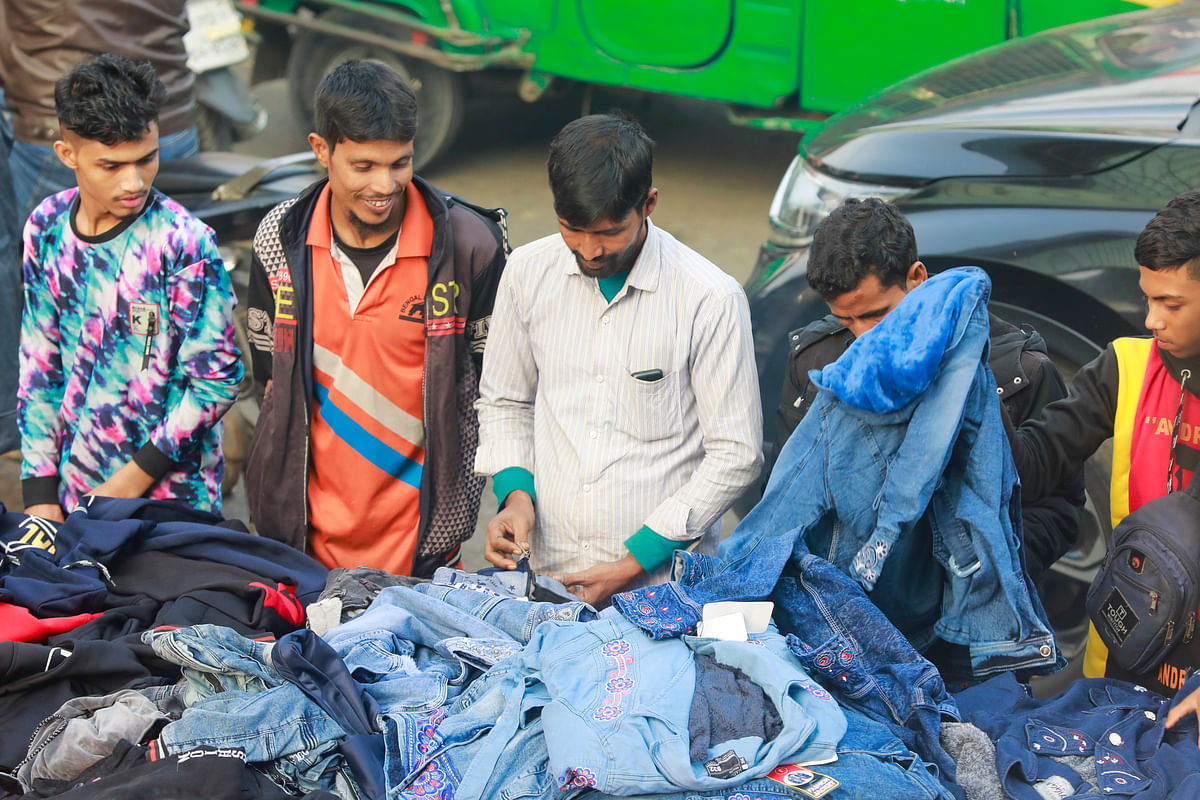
(367, 259)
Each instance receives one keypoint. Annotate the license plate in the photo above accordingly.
(214, 38)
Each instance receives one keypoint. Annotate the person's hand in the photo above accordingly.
(129, 481)
(508, 532)
(1188, 705)
(50, 511)
(596, 585)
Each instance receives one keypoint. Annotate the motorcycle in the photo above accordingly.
(226, 112)
(231, 193)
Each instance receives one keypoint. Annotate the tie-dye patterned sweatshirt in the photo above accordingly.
(127, 353)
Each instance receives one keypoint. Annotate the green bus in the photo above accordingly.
(776, 64)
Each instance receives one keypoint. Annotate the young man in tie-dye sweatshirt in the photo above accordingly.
(127, 354)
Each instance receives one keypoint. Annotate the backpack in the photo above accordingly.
(1143, 600)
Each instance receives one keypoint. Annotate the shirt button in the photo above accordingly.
(599, 379)
(593, 434)
(1045, 651)
(587, 488)
(1150, 715)
(605, 320)
(587, 546)
(1115, 739)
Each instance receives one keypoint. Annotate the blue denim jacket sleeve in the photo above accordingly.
(906, 426)
(749, 562)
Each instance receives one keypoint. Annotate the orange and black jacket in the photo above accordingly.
(468, 256)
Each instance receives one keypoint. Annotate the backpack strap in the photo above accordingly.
(497, 215)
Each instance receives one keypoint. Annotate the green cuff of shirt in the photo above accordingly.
(510, 479)
(650, 550)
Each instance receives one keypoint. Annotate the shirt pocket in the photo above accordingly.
(651, 410)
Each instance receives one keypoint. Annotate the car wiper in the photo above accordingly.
(1190, 124)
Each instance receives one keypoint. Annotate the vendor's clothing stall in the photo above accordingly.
(153, 651)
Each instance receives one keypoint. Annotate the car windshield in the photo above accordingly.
(1154, 47)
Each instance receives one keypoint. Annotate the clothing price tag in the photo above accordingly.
(1056, 787)
(731, 628)
(757, 616)
(803, 780)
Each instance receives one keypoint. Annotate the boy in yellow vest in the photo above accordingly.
(1142, 392)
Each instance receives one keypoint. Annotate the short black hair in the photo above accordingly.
(601, 168)
(109, 99)
(365, 101)
(1172, 239)
(860, 237)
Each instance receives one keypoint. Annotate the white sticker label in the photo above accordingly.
(1056, 787)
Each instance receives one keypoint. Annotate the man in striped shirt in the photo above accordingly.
(619, 411)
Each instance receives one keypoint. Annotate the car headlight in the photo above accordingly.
(806, 196)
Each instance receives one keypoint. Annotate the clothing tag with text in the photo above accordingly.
(803, 780)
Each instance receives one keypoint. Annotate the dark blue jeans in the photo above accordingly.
(10, 291)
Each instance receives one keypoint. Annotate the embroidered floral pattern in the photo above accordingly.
(619, 684)
(819, 693)
(432, 782)
(653, 615)
(578, 778)
(428, 738)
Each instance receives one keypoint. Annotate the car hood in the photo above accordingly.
(1071, 101)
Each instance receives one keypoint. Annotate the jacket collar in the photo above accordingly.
(293, 228)
(896, 361)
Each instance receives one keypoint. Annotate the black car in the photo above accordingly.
(1039, 160)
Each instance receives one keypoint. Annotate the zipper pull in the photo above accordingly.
(1190, 629)
(1170, 632)
(1153, 602)
(146, 351)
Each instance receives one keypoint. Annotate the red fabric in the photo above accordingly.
(1151, 444)
(283, 601)
(18, 624)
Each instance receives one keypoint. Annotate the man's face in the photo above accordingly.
(607, 247)
(115, 180)
(1173, 309)
(367, 181)
(861, 308)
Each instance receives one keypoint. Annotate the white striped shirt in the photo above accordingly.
(610, 453)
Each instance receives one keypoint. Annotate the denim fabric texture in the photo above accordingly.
(10, 291)
(846, 643)
(37, 173)
(516, 618)
(612, 690)
(306, 660)
(483, 745)
(1118, 725)
(414, 652)
(215, 659)
(841, 639)
(906, 426)
(241, 701)
(872, 763)
(521, 582)
(604, 691)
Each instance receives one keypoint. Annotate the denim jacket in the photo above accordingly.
(1118, 727)
(905, 431)
(615, 709)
